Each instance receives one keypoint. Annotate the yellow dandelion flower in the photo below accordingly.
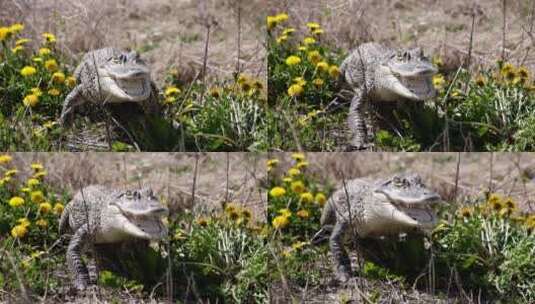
(293, 60)
(322, 66)
(298, 157)
(230, 207)
(70, 81)
(287, 252)
(246, 213)
(172, 91)
(508, 67)
(234, 215)
(494, 197)
(16, 201)
(302, 48)
(272, 162)
(271, 22)
(321, 199)
(37, 59)
(288, 31)
(45, 207)
(285, 212)
(303, 214)
(295, 90)
(280, 222)
(481, 80)
(438, 81)
(24, 222)
(314, 57)
(19, 231)
(496, 205)
(509, 203)
(41, 174)
(11, 172)
(44, 51)
(51, 65)
(300, 81)
(215, 92)
(313, 25)
(201, 221)
(4, 33)
(58, 208)
(299, 245)
(307, 197)
(297, 187)
(28, 71)
(523, 73)
(17, 49)
(287, 179)
(318, 82)
(437, 60)
(4, 159)
(22, 41)
(282, 38)
(54, 92)
(293, 172)
(31, 100)
(36, 91)
(282, 17)
(37, 197)
(301, 165)
(58, 77)
(37, 166)
(42, 223)
(33, 182)
(49, 37)
(318, 32)
(25, 190)
(277, 192)
(16, 28)
(465, 212)
(334, 72)
(309, 40)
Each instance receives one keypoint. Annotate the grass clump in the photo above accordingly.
(222, 258)
(29, 215)
(302, 78)
(295, 201)
(489, 246)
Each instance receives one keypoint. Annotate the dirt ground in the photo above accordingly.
(169, 33)
(171, 175)
(440, 27)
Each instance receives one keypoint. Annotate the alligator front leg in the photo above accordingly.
(75, 264)
(357, 123)
(342, 263)
(73, 100)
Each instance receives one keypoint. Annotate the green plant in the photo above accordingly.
(491, 247)
(224, 255)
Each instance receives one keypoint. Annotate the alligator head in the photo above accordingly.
(139, 214)
(124, 77)
(402, 202)
(408, 73)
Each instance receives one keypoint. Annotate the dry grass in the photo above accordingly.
(440, 27)
(169, 32)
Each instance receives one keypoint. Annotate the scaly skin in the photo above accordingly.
(373, 209)
(99, 215)
(101, 77)
(374, 73)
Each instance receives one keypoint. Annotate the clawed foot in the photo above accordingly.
(80, 285)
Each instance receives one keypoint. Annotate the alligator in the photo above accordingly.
(100, 215)
(378, 76)
(111, 76)
(361, 208)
